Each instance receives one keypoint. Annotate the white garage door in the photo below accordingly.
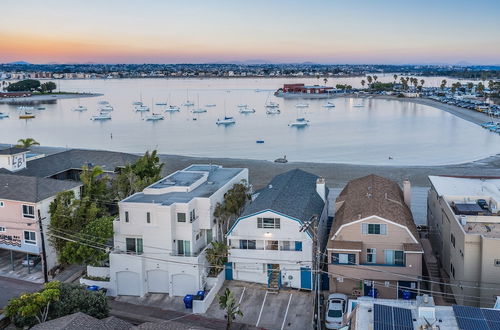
(128, 284)
(158, 281)
(183, 284)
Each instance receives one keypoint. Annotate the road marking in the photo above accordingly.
(261, 309)
(241, 298)
(286, 313)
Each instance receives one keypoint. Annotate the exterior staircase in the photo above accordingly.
(274, 279)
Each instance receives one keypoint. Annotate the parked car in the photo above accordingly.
(31, 261)
(336, 309)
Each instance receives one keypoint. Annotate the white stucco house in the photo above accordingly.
(162, 232)
(266, 243)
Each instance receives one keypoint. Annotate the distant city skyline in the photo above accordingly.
(220, 31)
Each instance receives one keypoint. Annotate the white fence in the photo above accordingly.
(98, 271)
(214, 283)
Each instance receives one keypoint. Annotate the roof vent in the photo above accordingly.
(270, 186)
(210, 182)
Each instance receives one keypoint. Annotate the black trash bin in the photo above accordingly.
(188, 301)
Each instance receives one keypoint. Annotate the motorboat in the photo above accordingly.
(137, 103)
(273, 111)
(103, 102)
(199, 110)
(247, 110)
(242, 105)
(101, 116)
(27, 115)
(328, 105)
(358, 106)
(141, 108)
(106, 108)
(3, 115)
(161, 103)
(154, 117)
(25, 108)
(259, 141)
(302, 105)
(226, 121)
(299, 122)
(172, 108)
(40, 108)
(80, 108)
(272, 105)
(210, 105)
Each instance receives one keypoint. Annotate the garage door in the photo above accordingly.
(128, 284)
(158, 281)
(183, 284)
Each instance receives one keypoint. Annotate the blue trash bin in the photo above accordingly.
(93, 288)
(188, 301)
(406, 295)
(201, 294)
(373, 293)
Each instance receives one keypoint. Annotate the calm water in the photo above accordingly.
(411, 134)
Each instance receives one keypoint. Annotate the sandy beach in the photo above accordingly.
(47, 97)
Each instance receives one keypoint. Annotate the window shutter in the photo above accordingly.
(364, 228)
(298, 246)
(277, 223)
(259, 222)
(383, 229)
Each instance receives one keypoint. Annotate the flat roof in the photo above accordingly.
(467, 186)
(217, 177)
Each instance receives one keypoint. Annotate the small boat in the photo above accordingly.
(80, 108)
(273, 111)
(299, 122)
(210, 105)
(259, 141)
(247, 110)
(101, 116)
(188, 103)
(302, 105)
(40, 108)
(137, 103)
(25, 108)
(161, 103)
(272, 105)
(141, 108)
(106, 108)
(226, 121)
(3, 115)
(328, 105)
(27, 115)
(172, 108)
(281, 160)
(199, 110)
(103, 102)
(242, 105)
(154, 117)
(358, 106)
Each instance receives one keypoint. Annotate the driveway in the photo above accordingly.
(11, 288)
(32, 274)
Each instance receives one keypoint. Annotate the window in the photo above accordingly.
(29, 211)
(374, 229)
(134, 245)
(126, 216)
(268, 223)
(285, 246)
(497, 262)
(148, 217)
(394, 257)
(452, 270)
(248, 244)
(298, 246)
(2, 204)
(452, 239)
(371, 256)
(210, 236)
(192, 215)
(29, 237)
(181, 217)
(271, 245)
(2, 229)
(183, 247)
(344, 258)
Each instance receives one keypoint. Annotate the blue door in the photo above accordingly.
(305, 278)
(229, 270)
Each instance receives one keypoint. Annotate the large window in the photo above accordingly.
(183, 247)
(272, 245)
(181, 217)
(248, 244)
(148, 217)
(268, 223)
(134, 245)
(344, 258)
(29, 211)
(371, 256)
(374, 229)
(29, 237)
(394, 257)
(2, 229)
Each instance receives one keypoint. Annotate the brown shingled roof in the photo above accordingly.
(373, 195)
(345, 245)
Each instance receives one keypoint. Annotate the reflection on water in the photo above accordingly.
(361, 131)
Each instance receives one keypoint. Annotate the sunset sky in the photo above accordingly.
(200, 31)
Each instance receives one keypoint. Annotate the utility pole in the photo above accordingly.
(44, 254)
(316, 262)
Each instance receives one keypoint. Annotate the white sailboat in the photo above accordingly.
(106, 108)
(188, 103)
(299, 122)
(199, 109)
(302, 105)
(226, 120)
(80, 108)
(101, 116)
(247, 110)
(273, 111)
(328, 105)
(172, 108)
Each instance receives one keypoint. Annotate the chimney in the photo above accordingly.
(321, 188)
(407, 192)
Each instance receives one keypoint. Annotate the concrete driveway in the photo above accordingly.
(32, 274)
(11, 288)
(288, 309)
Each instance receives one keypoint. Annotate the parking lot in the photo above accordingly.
(288, 309)
(17, 270)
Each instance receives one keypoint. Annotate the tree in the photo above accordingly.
(24, 85)
(227, 302)
(470, 85)
(76, 298)
(363, 83)
(48, 87)
(370, 80)
(325, 80)
(375, 78)
(26, 143)
(443, 84)
(216, 256)
(491, 84)
(31, 306)
(95, 183)
(422, 82)
(480, 88)
(234, 201)
(395, 78)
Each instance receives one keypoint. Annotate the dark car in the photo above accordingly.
(31, 261)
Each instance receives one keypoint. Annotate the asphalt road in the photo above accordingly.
(11, 288)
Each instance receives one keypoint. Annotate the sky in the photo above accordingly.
(207, 31)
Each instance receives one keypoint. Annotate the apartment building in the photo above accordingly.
(464, 229)
(374, 244)
(267, 244)
(162, 233)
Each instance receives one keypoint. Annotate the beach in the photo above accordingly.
(48, 97)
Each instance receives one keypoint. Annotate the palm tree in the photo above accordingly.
(370, 80)
(375, 78)
(363, 82)
(443, 83)
(470, 85)
(491, 84)
(325, 80)
(480, 88)
(26, 143)
(227, 302)
(216, 256)
(422, 82)
(395, 78)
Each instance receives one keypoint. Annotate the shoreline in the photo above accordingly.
(48, 97)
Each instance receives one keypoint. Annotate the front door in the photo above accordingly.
(305, 278)
(229, 271)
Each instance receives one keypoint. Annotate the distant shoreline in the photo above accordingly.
(48, 97)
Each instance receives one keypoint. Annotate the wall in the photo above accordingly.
(201, 306)
(97, 271)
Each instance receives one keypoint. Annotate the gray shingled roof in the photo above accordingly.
(75, 158)
(292, 193)
(31, 189)
(12, 151)
(76, 321)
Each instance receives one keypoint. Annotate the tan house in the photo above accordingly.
(374, 243)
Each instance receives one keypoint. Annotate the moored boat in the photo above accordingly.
(273, 111)
(226, 121)
(199, 110)
(154, 117)
(302, 105)
(141, 108)
(247, 110)
(172, 108)
(299, 122)
(3, 115)
(101, 116)
(80, 108)
(328, 105)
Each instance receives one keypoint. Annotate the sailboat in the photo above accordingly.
(188, 103)
(328, 105)
(198, 110)
(247, 110)
(299, 122)
(270, 104)
(302, 105)
(227, 120)
(154, 116)
(138, 102)
(80, 107)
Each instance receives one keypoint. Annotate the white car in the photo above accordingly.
(336, 308)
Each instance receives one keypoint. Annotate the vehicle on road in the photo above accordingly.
(336, 308)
